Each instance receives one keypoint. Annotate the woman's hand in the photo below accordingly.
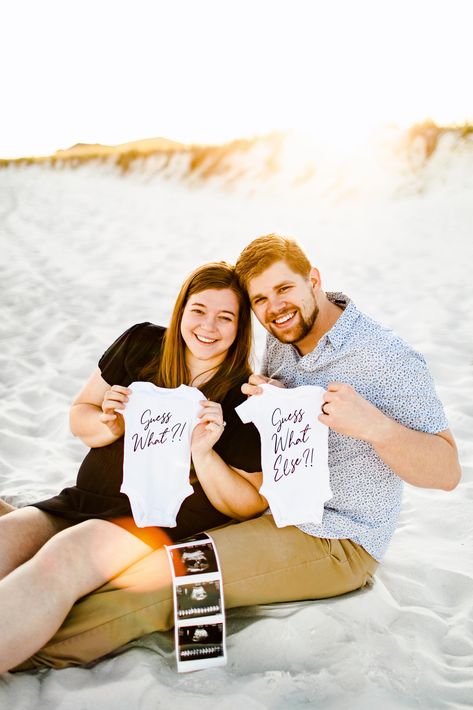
(114, 399)
(209, 430)
(93, 418)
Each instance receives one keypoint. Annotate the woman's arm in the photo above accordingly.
(92, 415)
(230, 490)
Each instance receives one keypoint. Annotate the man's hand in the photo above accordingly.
(252, 386)
(420, 458)
(347, 412)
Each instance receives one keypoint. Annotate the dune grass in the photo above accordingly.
(205, 160)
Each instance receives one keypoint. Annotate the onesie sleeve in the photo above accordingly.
(121, 362)
(240, 444)
(244, 411)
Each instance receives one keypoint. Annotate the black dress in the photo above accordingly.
(97, 490)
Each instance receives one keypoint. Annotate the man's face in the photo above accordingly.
(284, 302)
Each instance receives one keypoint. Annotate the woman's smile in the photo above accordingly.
(204, 339)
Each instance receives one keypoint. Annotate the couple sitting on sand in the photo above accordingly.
(79, 578)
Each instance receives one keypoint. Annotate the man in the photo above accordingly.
(386, 426)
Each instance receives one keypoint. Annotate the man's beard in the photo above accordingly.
(300, 330)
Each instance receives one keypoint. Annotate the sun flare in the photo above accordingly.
(333, 70)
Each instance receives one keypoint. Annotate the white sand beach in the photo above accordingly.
(88, 251)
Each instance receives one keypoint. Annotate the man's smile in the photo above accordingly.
(284, 318)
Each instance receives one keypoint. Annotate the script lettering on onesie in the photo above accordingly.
(296, 479)
(146, 436)
(287, 436)
(156, 459)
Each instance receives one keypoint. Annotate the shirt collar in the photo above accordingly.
(342, 328)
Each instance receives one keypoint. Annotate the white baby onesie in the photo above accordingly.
(296, 478)
(156, 461)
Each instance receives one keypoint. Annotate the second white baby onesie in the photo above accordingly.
(156, 461)
(294, 444)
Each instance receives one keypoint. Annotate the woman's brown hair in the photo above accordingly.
(169, 369)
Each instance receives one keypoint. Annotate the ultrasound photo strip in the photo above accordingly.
(199, 615)
(198, 599)
(202, 652)
(203, 611)
(192, 559)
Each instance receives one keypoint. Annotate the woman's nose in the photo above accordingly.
(209, 322)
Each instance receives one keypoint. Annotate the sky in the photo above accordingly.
(208, 71)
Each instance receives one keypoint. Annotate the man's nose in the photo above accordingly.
(276, 304)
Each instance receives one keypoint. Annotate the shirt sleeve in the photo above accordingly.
(115, 363)
(409, 394)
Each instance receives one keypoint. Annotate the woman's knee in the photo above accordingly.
(67, 554)
(89, 553)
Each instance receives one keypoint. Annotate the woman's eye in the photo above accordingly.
(196, 310)
(226, 318)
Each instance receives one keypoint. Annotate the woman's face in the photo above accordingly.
(209, 324)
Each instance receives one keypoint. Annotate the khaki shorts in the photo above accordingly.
(260, 564)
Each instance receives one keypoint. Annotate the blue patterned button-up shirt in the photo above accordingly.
(394, 377)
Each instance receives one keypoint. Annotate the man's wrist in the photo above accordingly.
(384, 430)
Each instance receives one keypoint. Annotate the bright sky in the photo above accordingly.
(110, 71)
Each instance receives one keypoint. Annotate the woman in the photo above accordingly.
(56, 551)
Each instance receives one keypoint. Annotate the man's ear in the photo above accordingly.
(315, 279)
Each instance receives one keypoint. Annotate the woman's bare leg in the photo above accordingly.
(5, 507)
(22, 533)
(37, 596)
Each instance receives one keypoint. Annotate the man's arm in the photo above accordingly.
(422, 459)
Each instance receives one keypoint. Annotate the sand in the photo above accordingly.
(87, 252)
